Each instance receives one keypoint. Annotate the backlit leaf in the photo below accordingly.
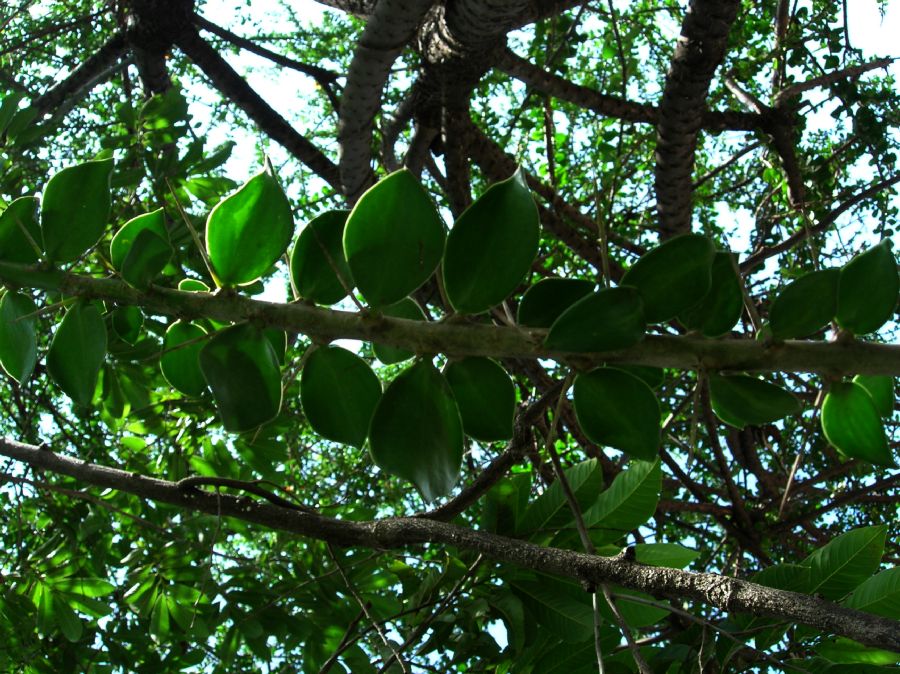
(77, 352)
(867, 291)
(844, 563)
(881, 388)
(317, 261)
(17, 219)
(629, 502)
(551, 508)
(146, 258)
(180, 362)
(879, 594)
(485, 395)
(851, 424)
(155, 221)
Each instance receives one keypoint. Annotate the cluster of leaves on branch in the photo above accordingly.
(580, 425)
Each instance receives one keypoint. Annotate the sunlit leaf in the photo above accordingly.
(180, 361)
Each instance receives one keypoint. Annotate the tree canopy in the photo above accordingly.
(530, 336)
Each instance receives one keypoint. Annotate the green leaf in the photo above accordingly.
(879, 594)
(180, 362)
(806, 305)
(17, 219)
(394, 239)
(241, 368)
(18, 342)
(559, 606)
(669, 555)
(842, 565)
(629, 502)
(159, 618)
(69, 624)
(741, 400)
(193, 285)
(867, 291)
(617, 409)
(406, 308)
(721, 307)
(881, 388)
(9, 107)
(317, 261)
(673, 276)
(124, 239)
(77, 352)
(485, 395)
(75, 209)
(491, 246)
(127, 322)
(851, 424)
(146, 258)
(551, 508)
(416, 432)
(848, 652)
(607, 320)
(547, 299)
(87, 587)
(249, 230)
(339, 393)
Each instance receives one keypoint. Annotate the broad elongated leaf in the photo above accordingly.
(560, 607)
(241, 368)
(416, 432)
(879, 594)
(249, 230)
(603, 321)
(629, 502)
(881, 388)
(122, 242)
(842, 565)
(741, 400)
(669, 555)
(406, 308)
(75, 209)
(851, 424)
(551, 508)
(18, 342)
(806, 305)
(491, 246)
(722, 305)
(339, 392)
(319, 269)
(180, 362)
(868, 289)
(672, 277)
(547, 299)
(20, 233)
(617, 409)
(77, 352)
(393, 239)
(485, 395)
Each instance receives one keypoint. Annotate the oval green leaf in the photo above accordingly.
(416, 432)
(180, 361)
(867, 291)
(491, 246)
(249, 230)
(393, 239)
(241, 369)
(547, 299)
(146, 258)
(616, 409)
(741, 400)
(485, 396)
(881, 388)
(806, 305)
(673, 276)
(317, 261)
(339, 393)
(406, 308)
(127, 323)
(851, 424)
(18, 343)
(75, 209)
(721, 307)
(20, 234)
(124, 239)
(603, 321)
(77, 352)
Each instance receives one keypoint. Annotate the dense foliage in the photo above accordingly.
(538, 336)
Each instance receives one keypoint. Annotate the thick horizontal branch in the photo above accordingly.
(455, 338)
(722, 592)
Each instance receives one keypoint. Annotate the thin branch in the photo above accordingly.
(850, 72)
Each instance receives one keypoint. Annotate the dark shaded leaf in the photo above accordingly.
(485, 395)
(18, 342)
(124, 239)
(547, 299)
(867, 291)
(146, 258)
(721, 307)
(77, 352)
(406, 308)
(17, 219)
(806, 305)
(603, 321)
(317, 261)
(741, 400)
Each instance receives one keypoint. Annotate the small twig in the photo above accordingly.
(194, 234)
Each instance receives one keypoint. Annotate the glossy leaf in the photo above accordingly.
(672, 277)
(180, 361)
(741, 400)
(18, 342)
(879, 594)
(249, 230)
(491, 246)
(146, 258)
(241, 368)
(547, 299)
(843, 564)
(20, 232)
(393, 239)
(485, 395)
(193, 285)
(868, 289)
(603, 321)
(406, 308)
(722, 305)
(806, 305)
(881, 388)
(75, 209)
(122, 242)
(339, 393)
(317, 261)
(77, 352)
(617, 409)
(629, 502)
(670, 555)
(851, 424)
(416, 432)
